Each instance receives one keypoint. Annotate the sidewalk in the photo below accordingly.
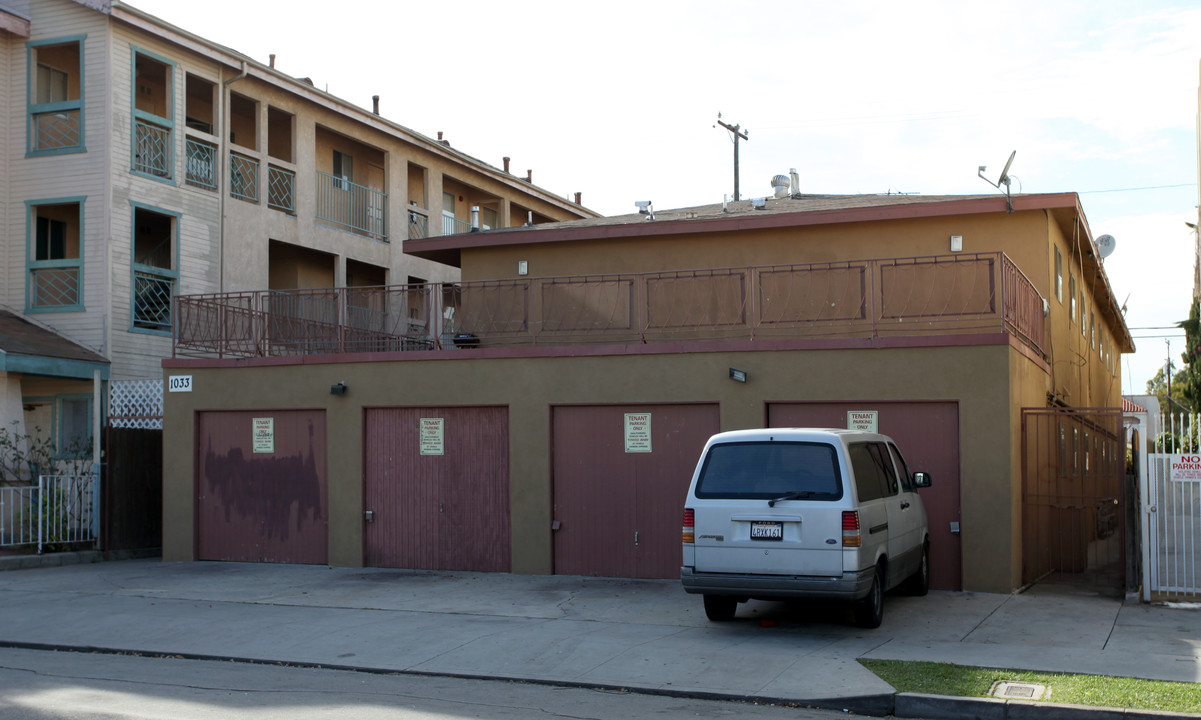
(640, 634)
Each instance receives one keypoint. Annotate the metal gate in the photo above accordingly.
(1172, 567)
(1073, 497)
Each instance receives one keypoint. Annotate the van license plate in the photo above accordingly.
(767, 531)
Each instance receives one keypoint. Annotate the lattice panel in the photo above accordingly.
(201, 164)
(280, 184)
(136, 404)
(152, 301)
(55, 287)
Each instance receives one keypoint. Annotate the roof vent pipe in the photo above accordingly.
(529, 217)
(475, 218)
(272, 61)
(796, 181)
(375, 104)
(529, 176)
(577, 197)
(506, 165)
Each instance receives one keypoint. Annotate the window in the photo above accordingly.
(1072, 296)
(55, 96)
(153, 113)
(1083, 328)
(1092, 329)
(1058, 275)
(343, 170)
(55, 262)
(74, 426)
(153, 268)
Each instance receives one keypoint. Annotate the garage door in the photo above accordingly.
(620, 476)
(436, 485)
(261, 487)
(928, 435)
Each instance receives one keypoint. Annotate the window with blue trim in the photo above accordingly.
(74, 426)
(153, 116)
(55, 97)
(154, 272)
(55, 257)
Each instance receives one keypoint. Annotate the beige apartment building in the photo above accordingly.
(141, 162)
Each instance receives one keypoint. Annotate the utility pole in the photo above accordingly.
(739, 134)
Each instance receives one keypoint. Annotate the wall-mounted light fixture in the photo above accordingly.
(523, 267)
(338, 389)
(956, 243)
(738, 375)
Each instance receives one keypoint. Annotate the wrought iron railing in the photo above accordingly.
(152, 300)
(963, 293)
(52, 287)
(200, 164)
(243, 177)
(356, 207)
(419, 225)
(56, 130)
(152, 149)
(281, 189)
(451, 225)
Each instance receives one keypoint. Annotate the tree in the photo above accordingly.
(1158, 387)
(1190, 383)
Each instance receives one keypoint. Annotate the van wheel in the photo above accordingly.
(720, 608)
(919, 582)
(869, 612)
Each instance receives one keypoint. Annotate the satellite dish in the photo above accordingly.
(1004, 179)
(1106, 245)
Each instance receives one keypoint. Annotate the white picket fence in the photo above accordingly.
(59, 509)
(1172, 547)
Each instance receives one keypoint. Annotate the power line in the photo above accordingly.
(1149, 187)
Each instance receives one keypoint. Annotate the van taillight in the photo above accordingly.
(850, 528)
(689, 525)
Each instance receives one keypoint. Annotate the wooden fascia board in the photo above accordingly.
(283, 81)
(18, 26)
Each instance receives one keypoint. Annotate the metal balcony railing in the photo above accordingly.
(418, 225)
(281, 189)
(54, 287)
(200, 164)
(943, 295)
(152, 149)
(453, 226)
(56, 129)
(358, 208)
(152, 300)
(243, 177)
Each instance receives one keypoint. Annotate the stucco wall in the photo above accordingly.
(529, 386)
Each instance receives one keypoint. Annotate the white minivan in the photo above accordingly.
(804, 513)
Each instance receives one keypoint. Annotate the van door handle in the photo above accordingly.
(904, 505)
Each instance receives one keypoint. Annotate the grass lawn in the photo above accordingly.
(1116, 692)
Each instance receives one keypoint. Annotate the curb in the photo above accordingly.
(78, 557)
(941, 707)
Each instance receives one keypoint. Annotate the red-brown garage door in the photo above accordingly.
(261, 487)
(436, 485)
(620, 476)
(928, 435)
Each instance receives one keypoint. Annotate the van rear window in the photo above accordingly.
(767, 470)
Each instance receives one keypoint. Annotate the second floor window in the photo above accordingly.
(55, 261)
(155, 274)
(55, 97)
(343, 170)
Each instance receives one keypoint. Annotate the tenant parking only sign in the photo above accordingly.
(638, 432)
(1185, 468)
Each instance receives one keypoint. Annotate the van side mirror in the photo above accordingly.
(921, 479)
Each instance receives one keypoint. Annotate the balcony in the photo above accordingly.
(281, 189)
(57, 129)
(355, 207)
(201, 164)
(865, 299)
(418, 225)
(243, 177)
(152, 149)
(54, 287)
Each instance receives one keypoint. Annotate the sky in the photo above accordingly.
(619, 100)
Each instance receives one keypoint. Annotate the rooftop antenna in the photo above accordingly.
(739, 134)
(1003, 180)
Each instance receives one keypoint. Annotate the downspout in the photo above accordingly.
(222, 163)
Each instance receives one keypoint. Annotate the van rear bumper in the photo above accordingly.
(849, 586)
